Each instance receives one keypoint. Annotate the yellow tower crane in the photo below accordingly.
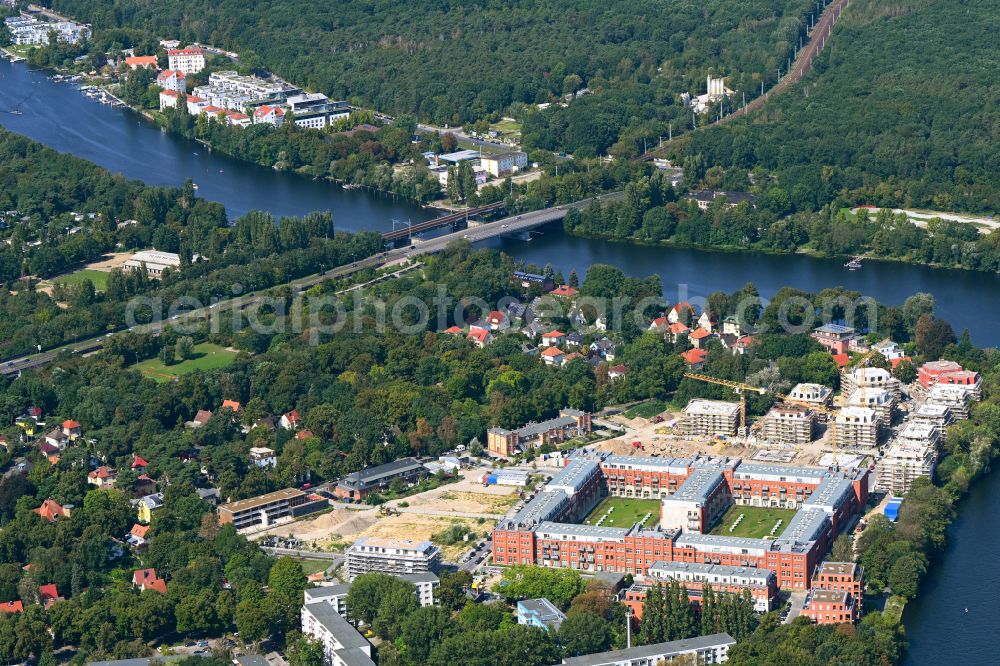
(738, 387)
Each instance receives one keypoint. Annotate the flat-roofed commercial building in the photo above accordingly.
(710, 418)
(154, 261)
(788, 424)
(391, 556)
(263, 510)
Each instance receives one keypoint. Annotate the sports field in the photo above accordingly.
(98, 278)
(626, 512)
(206, 357)
(757, 521)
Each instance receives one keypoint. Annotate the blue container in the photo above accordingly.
(892, 509)
(492, 479)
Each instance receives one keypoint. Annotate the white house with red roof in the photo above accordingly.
(172, 79)
(676, 330)
(682, 312)
(237, 119)
(72, 429)
(144, 62)
(272, 115)
(565, 291)
(146, 579)
(553, 356)
(659, 325)
(497, 321)
(168, 99)
(553, 338)
(617, 372)
(50, 510)
(480, 337)
(290, 420)
(195, 104)
(49, 594)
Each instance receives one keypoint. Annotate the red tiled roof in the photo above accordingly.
(231, 404)
(47, 592)
(699, 334)
(12, 607)
(140, 576)
(677, 328)
(693, 356)
(683, 305)
(454, 330)
(158, 585)
(70, 424)
(50, 510)
(552, 352)
(213, 109)
(479, 334)
(202, 416)
(266, 110)
(139, 461)
(47, 448)
(236, 115)
(619, 369)
(659, 321)
(564, 290)
(304, 434)
(194, 98)
(139, 530)
(554, 334)
(103, 472)
(141, 61)
(169, 93)
(841, 359)
(170, 73)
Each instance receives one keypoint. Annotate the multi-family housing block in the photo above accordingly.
(788, 424)
(391, 556)
(710, 418)
(569, 424)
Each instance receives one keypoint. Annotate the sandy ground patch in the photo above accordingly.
(326, 530)
(422, 528)
(465, 496)
(660, 440)
(110, 261)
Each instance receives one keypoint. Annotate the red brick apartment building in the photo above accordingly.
(569, 424)
(543, 532)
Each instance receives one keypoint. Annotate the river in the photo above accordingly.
(63, 118)
(939, 629)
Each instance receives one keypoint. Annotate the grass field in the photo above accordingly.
(646, 410)
(206, 357)
(314, 566)
(98, 278)
(627, 512)
(757, 521)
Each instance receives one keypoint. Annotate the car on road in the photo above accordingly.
(503, 226)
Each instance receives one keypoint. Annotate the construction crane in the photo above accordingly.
(739, 388)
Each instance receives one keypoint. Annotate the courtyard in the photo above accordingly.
(624, 512)
(757, 521)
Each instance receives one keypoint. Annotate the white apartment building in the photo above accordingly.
(869, 378)
(172, 79)
(342, 644)
(391, 556)
(953, 396)
(426, 584)
(904, 462)
(189, 61)
(881, 400)
(788, 424)
(261, 456)
(710, 417)
(504, 163)
(858, 429)
(28, 30)
(938, 415)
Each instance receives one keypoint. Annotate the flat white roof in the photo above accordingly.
(701, 407)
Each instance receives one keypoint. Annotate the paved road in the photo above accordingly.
(446, 514)
(394, 257)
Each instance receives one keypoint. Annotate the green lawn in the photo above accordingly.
(314, 566)
(627, 512)
(757, 521)
(647, 410)
(206, 357)
(98, 278)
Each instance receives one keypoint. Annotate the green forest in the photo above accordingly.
(902, 109)
(459, 61)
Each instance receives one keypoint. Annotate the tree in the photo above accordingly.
(369, 591)
(451, 592)
(251, 620)
(905, 371)
(932, 336)
(530, 582)
(185, 347)
(303, 651)
(584, 633)
(904, 576)
(287, 578)
(421, 630)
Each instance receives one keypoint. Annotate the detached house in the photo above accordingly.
(695, 358)
(51, 510)
(497, 321)
(168, 99)
(139, 464)
(553, 356)
(272, 115)
(699, 337)
(103, 477)
(172, 80)
(682, 312)
(146, 579)
(49, 594)
(553, 338)
(617, 372)
(480, 337)
(290, 420)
